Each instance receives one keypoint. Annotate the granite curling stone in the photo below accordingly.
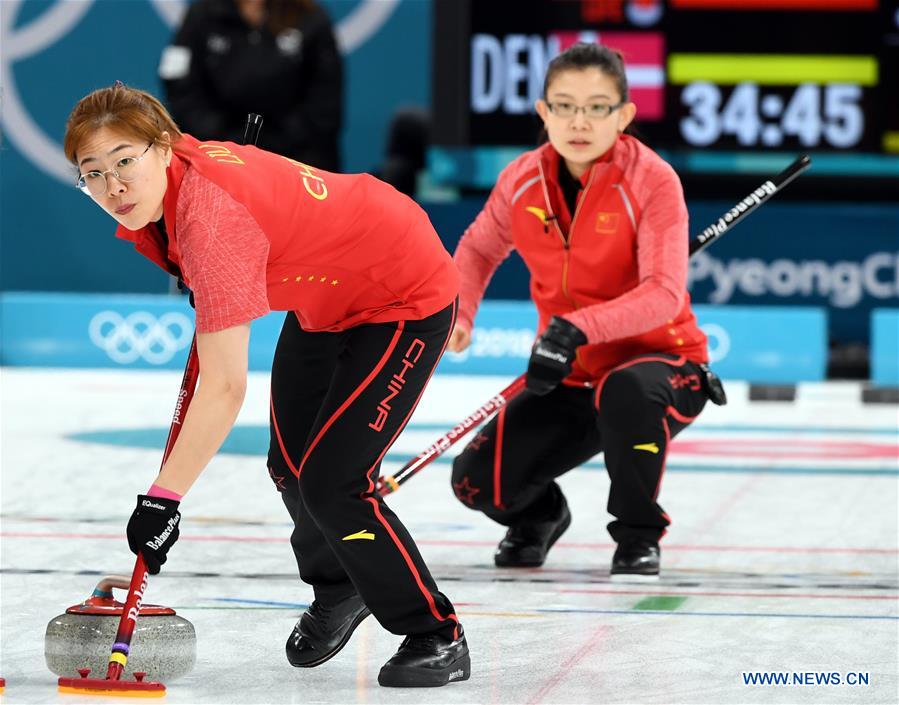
(164, 645)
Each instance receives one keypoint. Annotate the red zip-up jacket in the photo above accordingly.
(616, 267)
(344, 249)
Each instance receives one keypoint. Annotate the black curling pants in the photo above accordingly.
(338, 402)
(508, 469)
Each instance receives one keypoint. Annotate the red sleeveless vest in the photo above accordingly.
(345, 249)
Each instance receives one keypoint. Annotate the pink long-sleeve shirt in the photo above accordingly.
(616, 267)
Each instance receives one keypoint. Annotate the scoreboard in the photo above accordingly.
(720, 85)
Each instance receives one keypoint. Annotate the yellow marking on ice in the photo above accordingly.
(362, 679)
(648, 447)
(529, 615)
(112, 693)
(364, 534)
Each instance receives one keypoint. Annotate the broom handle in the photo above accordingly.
(139, 577)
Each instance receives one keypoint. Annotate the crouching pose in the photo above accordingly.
(618, 366)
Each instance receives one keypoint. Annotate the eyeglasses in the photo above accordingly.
(593, 111)
(93, 183)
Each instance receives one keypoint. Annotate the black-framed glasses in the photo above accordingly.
(93, 183)
(592, 111)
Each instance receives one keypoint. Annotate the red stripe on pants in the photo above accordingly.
(377, 510)
(354, 395)
(498, 460)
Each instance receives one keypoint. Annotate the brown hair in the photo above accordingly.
(121, 108)
(584, 56)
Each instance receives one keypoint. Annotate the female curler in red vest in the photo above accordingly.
(370, 295)
(618, 366)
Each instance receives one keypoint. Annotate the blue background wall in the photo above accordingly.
(52, 238)
(768, 345)
(54, 53)
(853, 250)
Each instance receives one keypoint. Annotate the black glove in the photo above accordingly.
(552, 355)
(153, 529)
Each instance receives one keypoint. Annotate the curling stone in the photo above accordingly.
(164, 645)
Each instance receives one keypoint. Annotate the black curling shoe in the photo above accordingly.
(427, 661)
(526, 545)
(323, 630)
(636, 559)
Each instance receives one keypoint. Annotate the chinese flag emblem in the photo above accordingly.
(607, 223)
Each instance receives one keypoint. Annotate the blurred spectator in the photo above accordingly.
(274, 57)
(407, 143)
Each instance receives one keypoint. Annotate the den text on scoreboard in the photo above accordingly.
(709, 74)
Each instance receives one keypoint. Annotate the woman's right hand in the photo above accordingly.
(460, 339)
